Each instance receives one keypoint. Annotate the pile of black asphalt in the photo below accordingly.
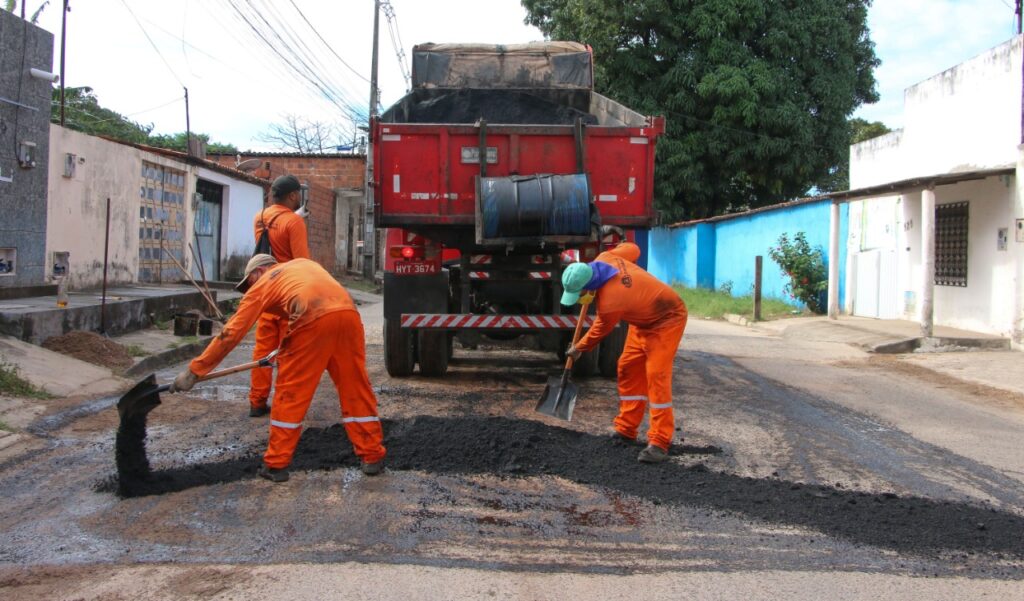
(523, 448)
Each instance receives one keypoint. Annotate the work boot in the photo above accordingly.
(652, 454)
(274, 474)
(621, 440)
(258, 411)
(372, 469)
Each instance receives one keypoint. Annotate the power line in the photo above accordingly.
(350, 68)
(160, 54)
(396, 41)
(298, 63)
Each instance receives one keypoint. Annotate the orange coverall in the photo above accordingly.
(287, 233)
(324, 332)
(657, 317)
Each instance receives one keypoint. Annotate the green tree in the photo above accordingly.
(756, 94)
(83, 112)
(838, 177)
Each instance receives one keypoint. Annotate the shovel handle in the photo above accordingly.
(264, 362)
(576, 335)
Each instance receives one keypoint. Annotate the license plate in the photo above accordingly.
(415, 267)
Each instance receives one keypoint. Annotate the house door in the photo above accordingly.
(874, 292)
(207, 228)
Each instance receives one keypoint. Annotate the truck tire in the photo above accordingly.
(611, 350)
(433, 351)
(399, 349)
(586, 365)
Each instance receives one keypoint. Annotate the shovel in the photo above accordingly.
(559, 396)
(145, 395)
(130, 444)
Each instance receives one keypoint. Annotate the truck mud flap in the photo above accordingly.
(415, 294)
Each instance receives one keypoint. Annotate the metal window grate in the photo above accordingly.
(951, 222)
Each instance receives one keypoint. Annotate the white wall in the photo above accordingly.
(76, 207)
(989, 302)
(240, 203)
(963, 119)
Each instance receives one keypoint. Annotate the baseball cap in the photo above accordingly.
(256, 261)
(574, 278)
(285, 184)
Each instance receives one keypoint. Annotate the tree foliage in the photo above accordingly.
(756, 94)
(83, 112)
(860, 130)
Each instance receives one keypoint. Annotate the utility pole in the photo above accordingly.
(63, 40)
(369, 233)
(188, 127)
(1019, 11)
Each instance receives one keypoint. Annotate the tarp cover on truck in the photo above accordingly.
(551, 65)
(493, 106)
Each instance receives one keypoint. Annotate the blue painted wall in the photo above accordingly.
(711, 254)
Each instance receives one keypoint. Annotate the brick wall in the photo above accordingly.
(23, 186)
(324, 174)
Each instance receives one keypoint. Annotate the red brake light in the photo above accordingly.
(408, 252)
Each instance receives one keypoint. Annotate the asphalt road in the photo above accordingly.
(803, 470)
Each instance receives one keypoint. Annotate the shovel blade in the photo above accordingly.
(140, 400)
(559, 399)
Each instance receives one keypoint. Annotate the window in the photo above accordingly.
(951, 244)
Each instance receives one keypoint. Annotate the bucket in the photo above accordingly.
(186, 325)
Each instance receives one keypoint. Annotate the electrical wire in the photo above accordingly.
(396, 41)
(145, 33)
(350, 68)
(296, 63)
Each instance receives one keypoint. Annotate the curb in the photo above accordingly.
(737, 319)
(165, 358)
(939, 344)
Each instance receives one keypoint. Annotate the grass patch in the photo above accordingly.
(135, 350)
(360, 284)
(13, 384)
(5, 427)
(714, 304)
(184, 340)
(162, 325)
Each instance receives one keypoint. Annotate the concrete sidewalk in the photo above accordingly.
(128, 308)
(971, 357)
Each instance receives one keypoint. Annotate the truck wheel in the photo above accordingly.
(399, 350)
(433, 351)
(586, 365)
(611, 350)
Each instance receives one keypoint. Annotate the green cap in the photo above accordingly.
(574, 278)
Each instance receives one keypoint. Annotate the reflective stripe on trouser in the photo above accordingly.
(270, 330)
(334, 342)
(645, 380)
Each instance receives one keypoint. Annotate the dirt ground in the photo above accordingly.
(792, 471)
(92, 348)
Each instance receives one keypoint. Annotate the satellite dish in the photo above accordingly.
(248, 164)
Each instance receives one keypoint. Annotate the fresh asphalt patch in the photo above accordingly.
(524, 448)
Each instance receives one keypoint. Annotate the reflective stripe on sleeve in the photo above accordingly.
(661, 405)
(639, 397)
(359, 420)
(287, 425)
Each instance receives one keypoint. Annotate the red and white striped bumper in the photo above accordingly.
(467, 321)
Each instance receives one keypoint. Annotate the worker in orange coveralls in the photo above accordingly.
(324, 332)
(656, 317)
(286, 233)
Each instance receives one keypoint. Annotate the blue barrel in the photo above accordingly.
(539, 205)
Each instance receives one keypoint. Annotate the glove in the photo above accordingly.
(586, 298)
(184, 382)
(573, 352)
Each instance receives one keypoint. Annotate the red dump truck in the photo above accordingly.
(501, 166)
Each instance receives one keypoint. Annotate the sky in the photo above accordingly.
(138, 55)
